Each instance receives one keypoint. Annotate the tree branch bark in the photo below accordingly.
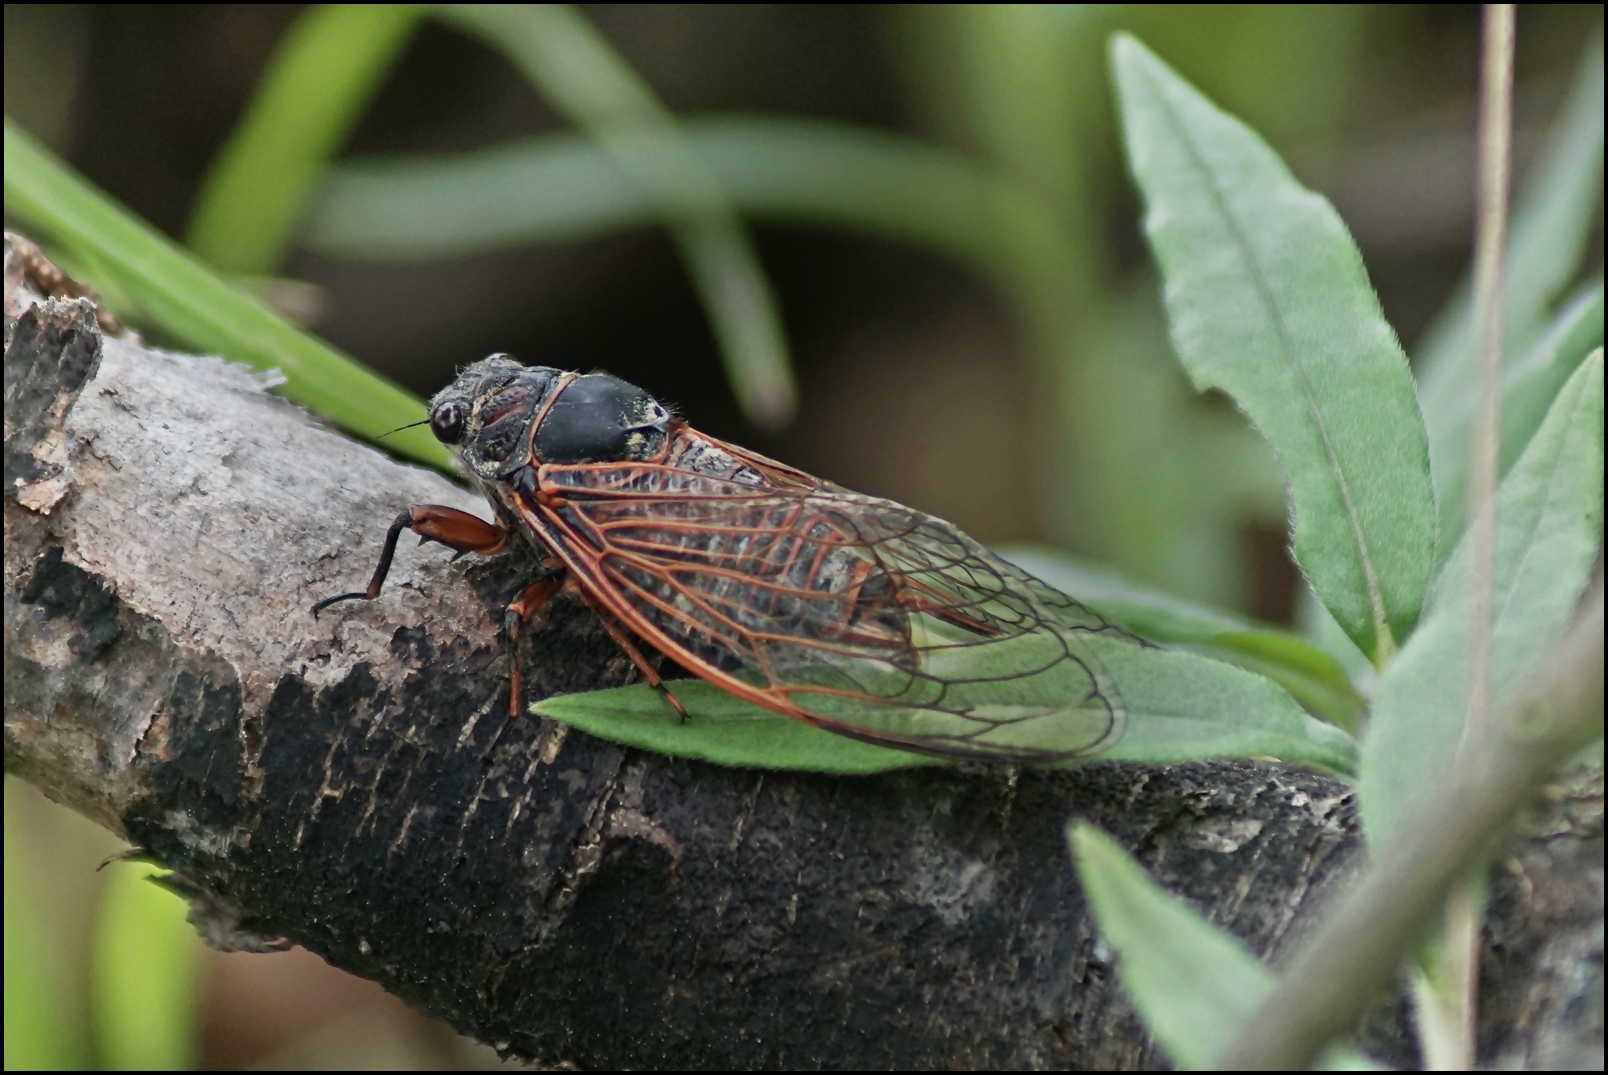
(351, 784)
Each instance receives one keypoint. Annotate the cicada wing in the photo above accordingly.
(857, 614)
(1001, 670)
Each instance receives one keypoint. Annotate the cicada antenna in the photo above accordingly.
(398, 429)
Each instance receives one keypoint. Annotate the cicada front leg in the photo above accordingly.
(463, 533)
(453, 528)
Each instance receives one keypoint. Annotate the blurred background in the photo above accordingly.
(950, 261)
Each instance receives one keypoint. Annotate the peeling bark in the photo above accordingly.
(350, 784)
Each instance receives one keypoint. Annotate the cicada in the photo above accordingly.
(848, 612)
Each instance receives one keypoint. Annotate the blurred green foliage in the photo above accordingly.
(146, 975)
(44, 1009)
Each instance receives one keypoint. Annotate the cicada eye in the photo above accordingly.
(446, 422)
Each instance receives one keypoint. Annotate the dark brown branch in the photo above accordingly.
(349, 784)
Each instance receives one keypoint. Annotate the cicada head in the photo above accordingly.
(488, 415)
(501, 415)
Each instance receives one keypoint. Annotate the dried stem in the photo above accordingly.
(1447, 985)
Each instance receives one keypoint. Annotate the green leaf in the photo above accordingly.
(575, 68)
(1158, 616)
(1194, 984)
(1549, 534)
(722, 729)
(1534, 381)
(1529, 385)
(321, 78)
(44, 1024)
(147, 977)
(1180, 707)
(185, 299)
(1552, 225)
(1269, 301)
(1310, 674)
(564, 188)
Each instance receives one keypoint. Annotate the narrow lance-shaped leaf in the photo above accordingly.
(1194, 984)
(320, 79)
(1183, 706)
(721, 728)
(1549, 534)
(1180, 707)
(187, 299)
(1529, 384)
(1311, 675)
(1269, 301)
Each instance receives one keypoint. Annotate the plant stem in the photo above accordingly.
(1335, 977)
(1447, 984)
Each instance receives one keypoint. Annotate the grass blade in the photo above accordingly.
(319, 81)
(565, 188)
(185, 299)
(577, 70)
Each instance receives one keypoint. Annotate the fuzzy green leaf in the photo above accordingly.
(1182, 707)
(1529, 384)
(722, 729)
(1549, 534)
(1309, 673)
(1268, 301)
(1194, 984)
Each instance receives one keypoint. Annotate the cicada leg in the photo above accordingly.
(464, 533)
(623, 639)
(527, 604)
(453, 528)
